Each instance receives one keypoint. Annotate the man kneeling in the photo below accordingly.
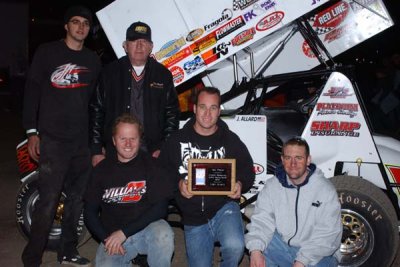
(296, 221)
(126, 201)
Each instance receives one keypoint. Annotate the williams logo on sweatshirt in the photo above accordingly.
(132, 192)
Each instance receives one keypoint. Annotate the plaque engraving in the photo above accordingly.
(211, 176)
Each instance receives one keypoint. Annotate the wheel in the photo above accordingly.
(26, 198)
(370, 233)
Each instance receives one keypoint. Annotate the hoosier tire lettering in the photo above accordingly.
(370, 234)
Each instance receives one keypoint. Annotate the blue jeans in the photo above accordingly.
(226, 227)
(156, 241)
(279, 254)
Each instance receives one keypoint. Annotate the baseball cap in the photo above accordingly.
(138, 30)
(80, 11)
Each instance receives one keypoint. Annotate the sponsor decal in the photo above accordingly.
(177, 57)
(337, 92)
(270, 21)
(213, 54)
(242, 4)
(193, 65)
(249, 15)
(335, 128)
(336, 33)
(204, 43)
(229, 27)
(337, 108)
(170, 48)
(243, 37)
(268, 4)
(307, 50)
(194, 35)
(258, 9)
(252, 118)
(67, 76)
(25, 163)
(131, 192)
(395, 172)
(177, 74)
(226, 15)
(330, 18)
(258, 168)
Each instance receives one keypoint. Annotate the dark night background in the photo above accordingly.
(44, 22)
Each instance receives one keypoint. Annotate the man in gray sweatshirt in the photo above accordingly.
(296, 221)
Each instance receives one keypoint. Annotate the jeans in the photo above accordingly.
(226, 227)
(278, 253)
(64, 166)
(156, 241)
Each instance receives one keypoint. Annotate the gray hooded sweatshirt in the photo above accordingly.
(306, 216)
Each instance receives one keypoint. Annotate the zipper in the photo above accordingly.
(297, 220)
(202, 203)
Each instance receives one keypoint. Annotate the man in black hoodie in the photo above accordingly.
(209, 219)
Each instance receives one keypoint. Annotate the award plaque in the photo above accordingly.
(211, 176)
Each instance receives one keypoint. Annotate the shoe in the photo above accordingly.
(75, 260)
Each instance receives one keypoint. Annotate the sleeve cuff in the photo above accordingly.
(31, 132)
(255, 245)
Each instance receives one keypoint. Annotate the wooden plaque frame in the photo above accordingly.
(211, 176)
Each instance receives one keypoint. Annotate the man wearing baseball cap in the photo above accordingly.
(61, 80)
(135, 84)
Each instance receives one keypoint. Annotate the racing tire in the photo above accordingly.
(26, 198)
(370, 233)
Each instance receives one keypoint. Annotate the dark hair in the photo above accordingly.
(208, 90)
(298, 141)
(127, 118)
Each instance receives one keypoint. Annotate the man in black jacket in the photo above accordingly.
(206, 218)
(135, 84)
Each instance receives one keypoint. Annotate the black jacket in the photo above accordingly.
(112, 98)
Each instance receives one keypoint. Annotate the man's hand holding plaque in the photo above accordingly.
(212, 177)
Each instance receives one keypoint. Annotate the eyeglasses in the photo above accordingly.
(77, 22)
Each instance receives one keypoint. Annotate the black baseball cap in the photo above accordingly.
(138, 30)
(80, 11)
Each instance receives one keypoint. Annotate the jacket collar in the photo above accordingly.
(282, 177)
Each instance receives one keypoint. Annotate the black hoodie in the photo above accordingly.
(185, 144)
